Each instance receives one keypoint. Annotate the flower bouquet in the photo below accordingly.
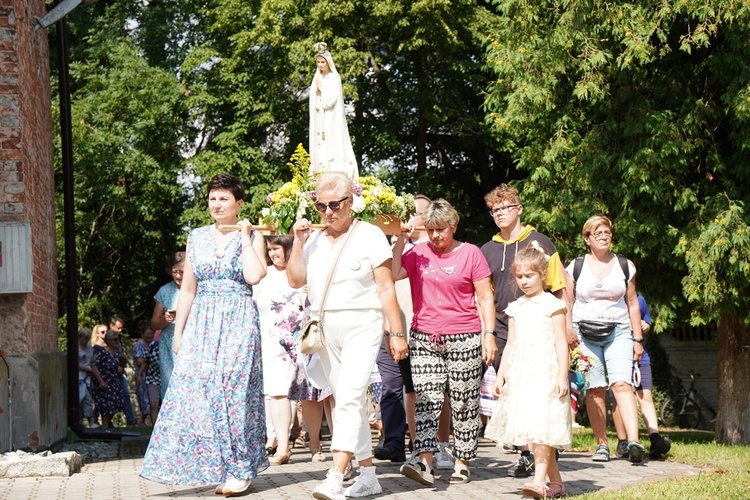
(374, 201)
(377, 202)
(295, 199)
(580, 364)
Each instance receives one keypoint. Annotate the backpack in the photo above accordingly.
(578, 267)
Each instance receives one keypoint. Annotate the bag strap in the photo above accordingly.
(578, 266)
(331, 273)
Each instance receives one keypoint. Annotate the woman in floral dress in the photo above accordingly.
(282, 313)
(108, 395)
(211, 426)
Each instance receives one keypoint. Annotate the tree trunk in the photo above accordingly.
(733, 419)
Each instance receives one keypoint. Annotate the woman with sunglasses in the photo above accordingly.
(164, 316)
(211, 427)
(108, 393)
(362, 293)
(605, 298)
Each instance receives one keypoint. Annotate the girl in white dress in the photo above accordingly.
(532, 381)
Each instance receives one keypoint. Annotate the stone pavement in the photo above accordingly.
(114, 475)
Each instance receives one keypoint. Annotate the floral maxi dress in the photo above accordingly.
(212, 421)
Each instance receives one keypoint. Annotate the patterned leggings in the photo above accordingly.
(452, 364)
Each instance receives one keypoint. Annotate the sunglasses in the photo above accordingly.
(334, 205)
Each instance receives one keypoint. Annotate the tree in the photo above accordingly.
(126, 130)
(640, 111)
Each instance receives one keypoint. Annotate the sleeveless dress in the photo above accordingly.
(212, 421)
(528, 411)
(281, 316)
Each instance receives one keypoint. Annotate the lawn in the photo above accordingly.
(726, 469)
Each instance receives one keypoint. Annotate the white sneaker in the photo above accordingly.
(443, 458)
(366, 484)
(235, 487)
(332, 488)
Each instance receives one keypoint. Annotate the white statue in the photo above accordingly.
(330, 146)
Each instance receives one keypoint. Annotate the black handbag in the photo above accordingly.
(593, 330)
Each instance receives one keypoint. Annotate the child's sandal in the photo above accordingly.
(601, 454)
(557, 489)
(461, 474)
(534, 490)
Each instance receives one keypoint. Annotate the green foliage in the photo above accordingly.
(716, 248)
(126, 134)
(637, 110)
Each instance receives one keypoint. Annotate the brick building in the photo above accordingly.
(36, 417)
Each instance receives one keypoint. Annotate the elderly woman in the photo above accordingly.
(212, 423)
(361, 294)
(446, 342)
(607, 318)
(330, 146)
(164, 315)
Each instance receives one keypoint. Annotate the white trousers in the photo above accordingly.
(352, 342)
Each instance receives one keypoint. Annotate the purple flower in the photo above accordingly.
(269, 201)
(356, 189)
(313, 195)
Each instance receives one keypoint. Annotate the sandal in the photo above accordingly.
(318, 456)
(461, 474)
(558, 492)
(601, 454)
(534, 490)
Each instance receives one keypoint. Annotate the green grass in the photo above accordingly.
(725, 469)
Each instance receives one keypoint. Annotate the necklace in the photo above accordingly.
(220, 242)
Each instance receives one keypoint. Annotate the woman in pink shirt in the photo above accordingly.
(452, 332)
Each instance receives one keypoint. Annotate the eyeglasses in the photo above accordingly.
(177, 273)
(506, 209)
(334, 205)
(601, 234)
(116, 339)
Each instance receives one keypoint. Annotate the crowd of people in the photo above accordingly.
(431, 315)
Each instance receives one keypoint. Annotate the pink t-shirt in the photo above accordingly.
(442, 288)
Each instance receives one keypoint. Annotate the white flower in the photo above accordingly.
(265, 212)
(377, 191)
(358, 204)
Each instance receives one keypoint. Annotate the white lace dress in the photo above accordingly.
(528, 411)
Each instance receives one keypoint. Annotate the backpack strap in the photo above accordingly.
(578, 266)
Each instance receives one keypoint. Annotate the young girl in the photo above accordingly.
(532, 381)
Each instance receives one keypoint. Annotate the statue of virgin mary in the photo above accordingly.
(330, 146)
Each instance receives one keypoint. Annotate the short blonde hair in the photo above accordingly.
(503, 192)
(597, 220)
(439, 213)
(338, 182)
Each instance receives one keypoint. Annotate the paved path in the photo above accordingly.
(116, 477)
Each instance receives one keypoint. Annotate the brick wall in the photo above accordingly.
(26, 166)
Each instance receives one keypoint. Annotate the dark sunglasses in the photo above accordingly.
(334, 205)
(117, 339)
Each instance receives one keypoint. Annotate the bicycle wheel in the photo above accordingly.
(667, 413)
(690, 416)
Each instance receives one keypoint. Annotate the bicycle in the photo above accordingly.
(687, 409)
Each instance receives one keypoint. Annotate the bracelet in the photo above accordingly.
(640, 341)
(397, 335)
(490, 332)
